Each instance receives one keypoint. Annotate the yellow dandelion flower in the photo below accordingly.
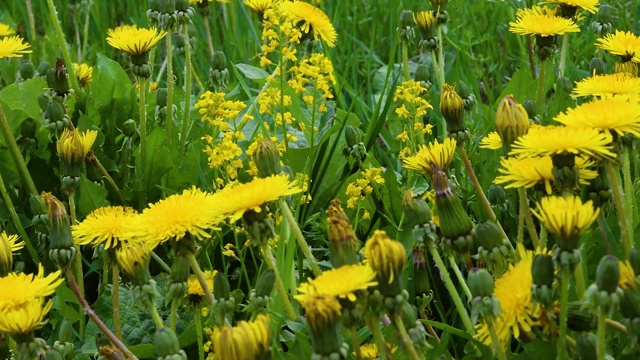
(386, 256)
(74, 145)
(13, 47)
(106, 226)
(234, 201)
(620, 114)
(518, 311)
(537, 21)
(607, 85)
(30, 287)
(132, 257)
(624, 44)
(10, 243)
(6, 30)
(195, 293)
(434, 154)
(193, 212)
(259, 6)
(246, 340)
(84, 73)
(492, 141)
(322, 311)
(426, 20)
(370, 351)
(552, 140)
(566, 217)
(343, 282)
(25, 318)
(587, 5)
(627, 275)
(311, 19)
(133, 40)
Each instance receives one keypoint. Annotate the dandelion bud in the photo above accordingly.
(597, 66)
(53, 354)
(416, 210)
(628, 67)
(406, 33)
(265, 283)
(530, 106)
(335, 210)
(608, 274)
(494, 248)
(452, 109)
(55, 112)
(267, 159)
(634, 260)
(387, 257)
(323, 318)
(73, 147)
(43, 68)
(565, 84)
(129, 128)
(161, 97)
(496, 195)
(512, 122)
(427, 23)
(57, 79)
(420, 276)
(167, 345)
(218, 72)
(604, 14)
(343, 243)
(422, 75)
(62, 250)
(178, 282)
(246, 340)
(542, 271)
(630, 311)
(183, 12)
(580, 318)
(26, 70)
(352, 135)
(586, 346)
(455, 224)
(480, 282)
(355, 148)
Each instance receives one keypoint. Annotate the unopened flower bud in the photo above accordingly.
(53, 354)
(405, 30)
(353, 135)
(28, 128)
(628, 67)
(455, 224)
(452, 109)
(604, 14)
(218, 72)
(343, 243)
(512, 121)
(420, 275)
(43, 68)
(480, 283)
(530, 106)
(634, 260)
(496, 195)
(422, 74)
(62, 250)
(580, 318)
(167, 345)
(416, 210)
(129, 128)
(335, 210)
(267, 159)
(608, 274)
(565, 84)
(542, 270)
(265, 283)
(26, 70)
(161, 97)
(55, 112)
(57, 79)
(586, 346)
(597, 66)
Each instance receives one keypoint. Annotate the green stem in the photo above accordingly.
(497, 346)
(161, 262)
(405, 337)
(63, 47)
(78, 263)
(113, 184)
(602, 326)
(543, 238)
(282, 292)
(16, 155)
(302, 243)
(32, 22)
(196, 318)
(208, 32)
(356, 342)
(187, 93)
(201, 278)
(169, 120)
(461, 279)
(115, 281)
(17, 223)
(405, 60)
(174, 315)
(441, 54)
(628, 190)
(453, 292)
(372, 323)
(618, 201)
(526, 214)
(578, 277)
(563, 55)
(142, 181)
(565, 274)
(156, 317)
(87, 18)
(530, 56)
(540, 88)
(434, 63)
(617, 327)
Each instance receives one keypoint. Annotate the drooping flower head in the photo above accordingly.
(245, 341)
(133, 40)
(13, 47)
(620, 114)
(559, 140)
(106, 226)
(310, 20)
(566, 217)
(435, 154)
(541, 22)
(343, 282)
(608, 85)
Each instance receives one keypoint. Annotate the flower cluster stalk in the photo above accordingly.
(565, 274)
(602, 326)
(282, 292)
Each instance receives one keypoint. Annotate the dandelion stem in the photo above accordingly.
(142, 181)
(113, 184)
(497, 346)
(530, 55)
(461, 279)
(63, 47)
(282, 292)
(17, 223)
(628, 190)
(578, 277)
(302, 243)
(372, 323)
(92, 315)
(169, 119)
(444, 274)
(563, 55)
(115, 283)
(32, 21)
(156, 317)
(397, 321)
(200, 275)
(441, 55)
(540, 87)
(405, 60)
(565, 274)
(85, 32)
(434, 63)
(78, 262)
(16, 155)
(618, 201)
(602, 326)
(356, 342)
(617, 326)
(208, 31)
(196, 318)
(187, 93)
(542, 244)
(526, 213)
(174, 314)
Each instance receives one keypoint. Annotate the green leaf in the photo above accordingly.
(158, 158)
(252, 72)
(523, 87)
(20, 101)
(110, 83)
(90, 197)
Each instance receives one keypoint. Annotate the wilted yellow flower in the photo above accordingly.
(13, 47)
(310, 19)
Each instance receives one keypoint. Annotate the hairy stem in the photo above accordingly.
(565, 274)
(602, 326)
(302, 243)
(169, 120)
(63, 47)
(142, 181)
(187, 93)
(282, 292)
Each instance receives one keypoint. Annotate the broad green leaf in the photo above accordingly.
(252, 72)
(20, 101)
(90, 197)
(158, 158)
(110, 83)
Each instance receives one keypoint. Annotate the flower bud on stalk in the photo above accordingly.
(167, 345)
(597, 66)
(218, 72)
(512, 121)
(405, 31)
(323, 318)
(484, 303)
(452, 109)
(605, 292)
(58, 80)
(73, 147)
(62, 250)
(267, 159)
(343, 243)
(494, 248)
(542, 273)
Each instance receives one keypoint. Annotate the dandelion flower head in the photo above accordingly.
(311, 20)
(106, 226)
(538, 21)
(342, 282)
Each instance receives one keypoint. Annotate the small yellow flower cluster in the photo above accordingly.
(278, 31)
(316, 71)
(269, 99)
(225, 153)
(359, 189)
(214, 108)
(414, 105)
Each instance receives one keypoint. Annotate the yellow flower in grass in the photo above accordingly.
(560, 140)
(518, 311)
(538, 21)
(132, 258)
(133, 40)
(6, 30)
(234, 201)
(426, 20)
(25, 318)
(620, 114)
(195, 293)
(106, 226)
(385, 256)
(491, 141)
(311, 20)
(627, 276)
(74, 145)
(193, 212)
(607, 85)
(566, 217)
(259, 6)
(13, 47)
(587, 5)
(624, 44)
(414, 105)
(343, 282)
(84, 73)
(530, 171)
(435, 153)
(25, 288)
(245, 341)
